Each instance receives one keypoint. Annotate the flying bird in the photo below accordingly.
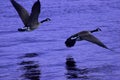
(84, 35)
(30, 21)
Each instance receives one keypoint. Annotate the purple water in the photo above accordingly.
(43, 50)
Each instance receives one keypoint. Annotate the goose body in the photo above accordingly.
(84, 35)
(30, 21)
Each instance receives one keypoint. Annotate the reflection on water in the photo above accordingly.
(29, 55)
(73, 71)
(30, 67)
(68, 17)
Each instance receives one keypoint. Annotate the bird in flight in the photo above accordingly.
(84, 35)
(30, 21)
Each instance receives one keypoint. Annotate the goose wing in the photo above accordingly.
(33, 19)
(94, 40)
(24, 15)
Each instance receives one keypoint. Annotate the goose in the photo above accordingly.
(84, 35)
(30, 21)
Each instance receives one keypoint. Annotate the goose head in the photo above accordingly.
(48, 19)
(98, 29)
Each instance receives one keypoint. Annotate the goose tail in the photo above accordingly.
(113, 50)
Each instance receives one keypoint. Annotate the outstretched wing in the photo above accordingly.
(34, 13)
(94, 40)
(24, 15)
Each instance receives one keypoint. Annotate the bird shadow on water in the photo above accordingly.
(102, 72)
(73, 72)
(30, 68)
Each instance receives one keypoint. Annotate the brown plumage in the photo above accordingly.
(84, 35)
(24, 15)
(30, 21)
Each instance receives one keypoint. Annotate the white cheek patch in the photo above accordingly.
(28, 29)
(73, 38)
(24, 28)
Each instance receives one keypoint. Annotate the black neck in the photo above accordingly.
(96, 30)
(43, 21)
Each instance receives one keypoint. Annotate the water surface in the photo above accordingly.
(41, 54)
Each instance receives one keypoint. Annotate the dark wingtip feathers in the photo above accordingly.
(69, 42)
